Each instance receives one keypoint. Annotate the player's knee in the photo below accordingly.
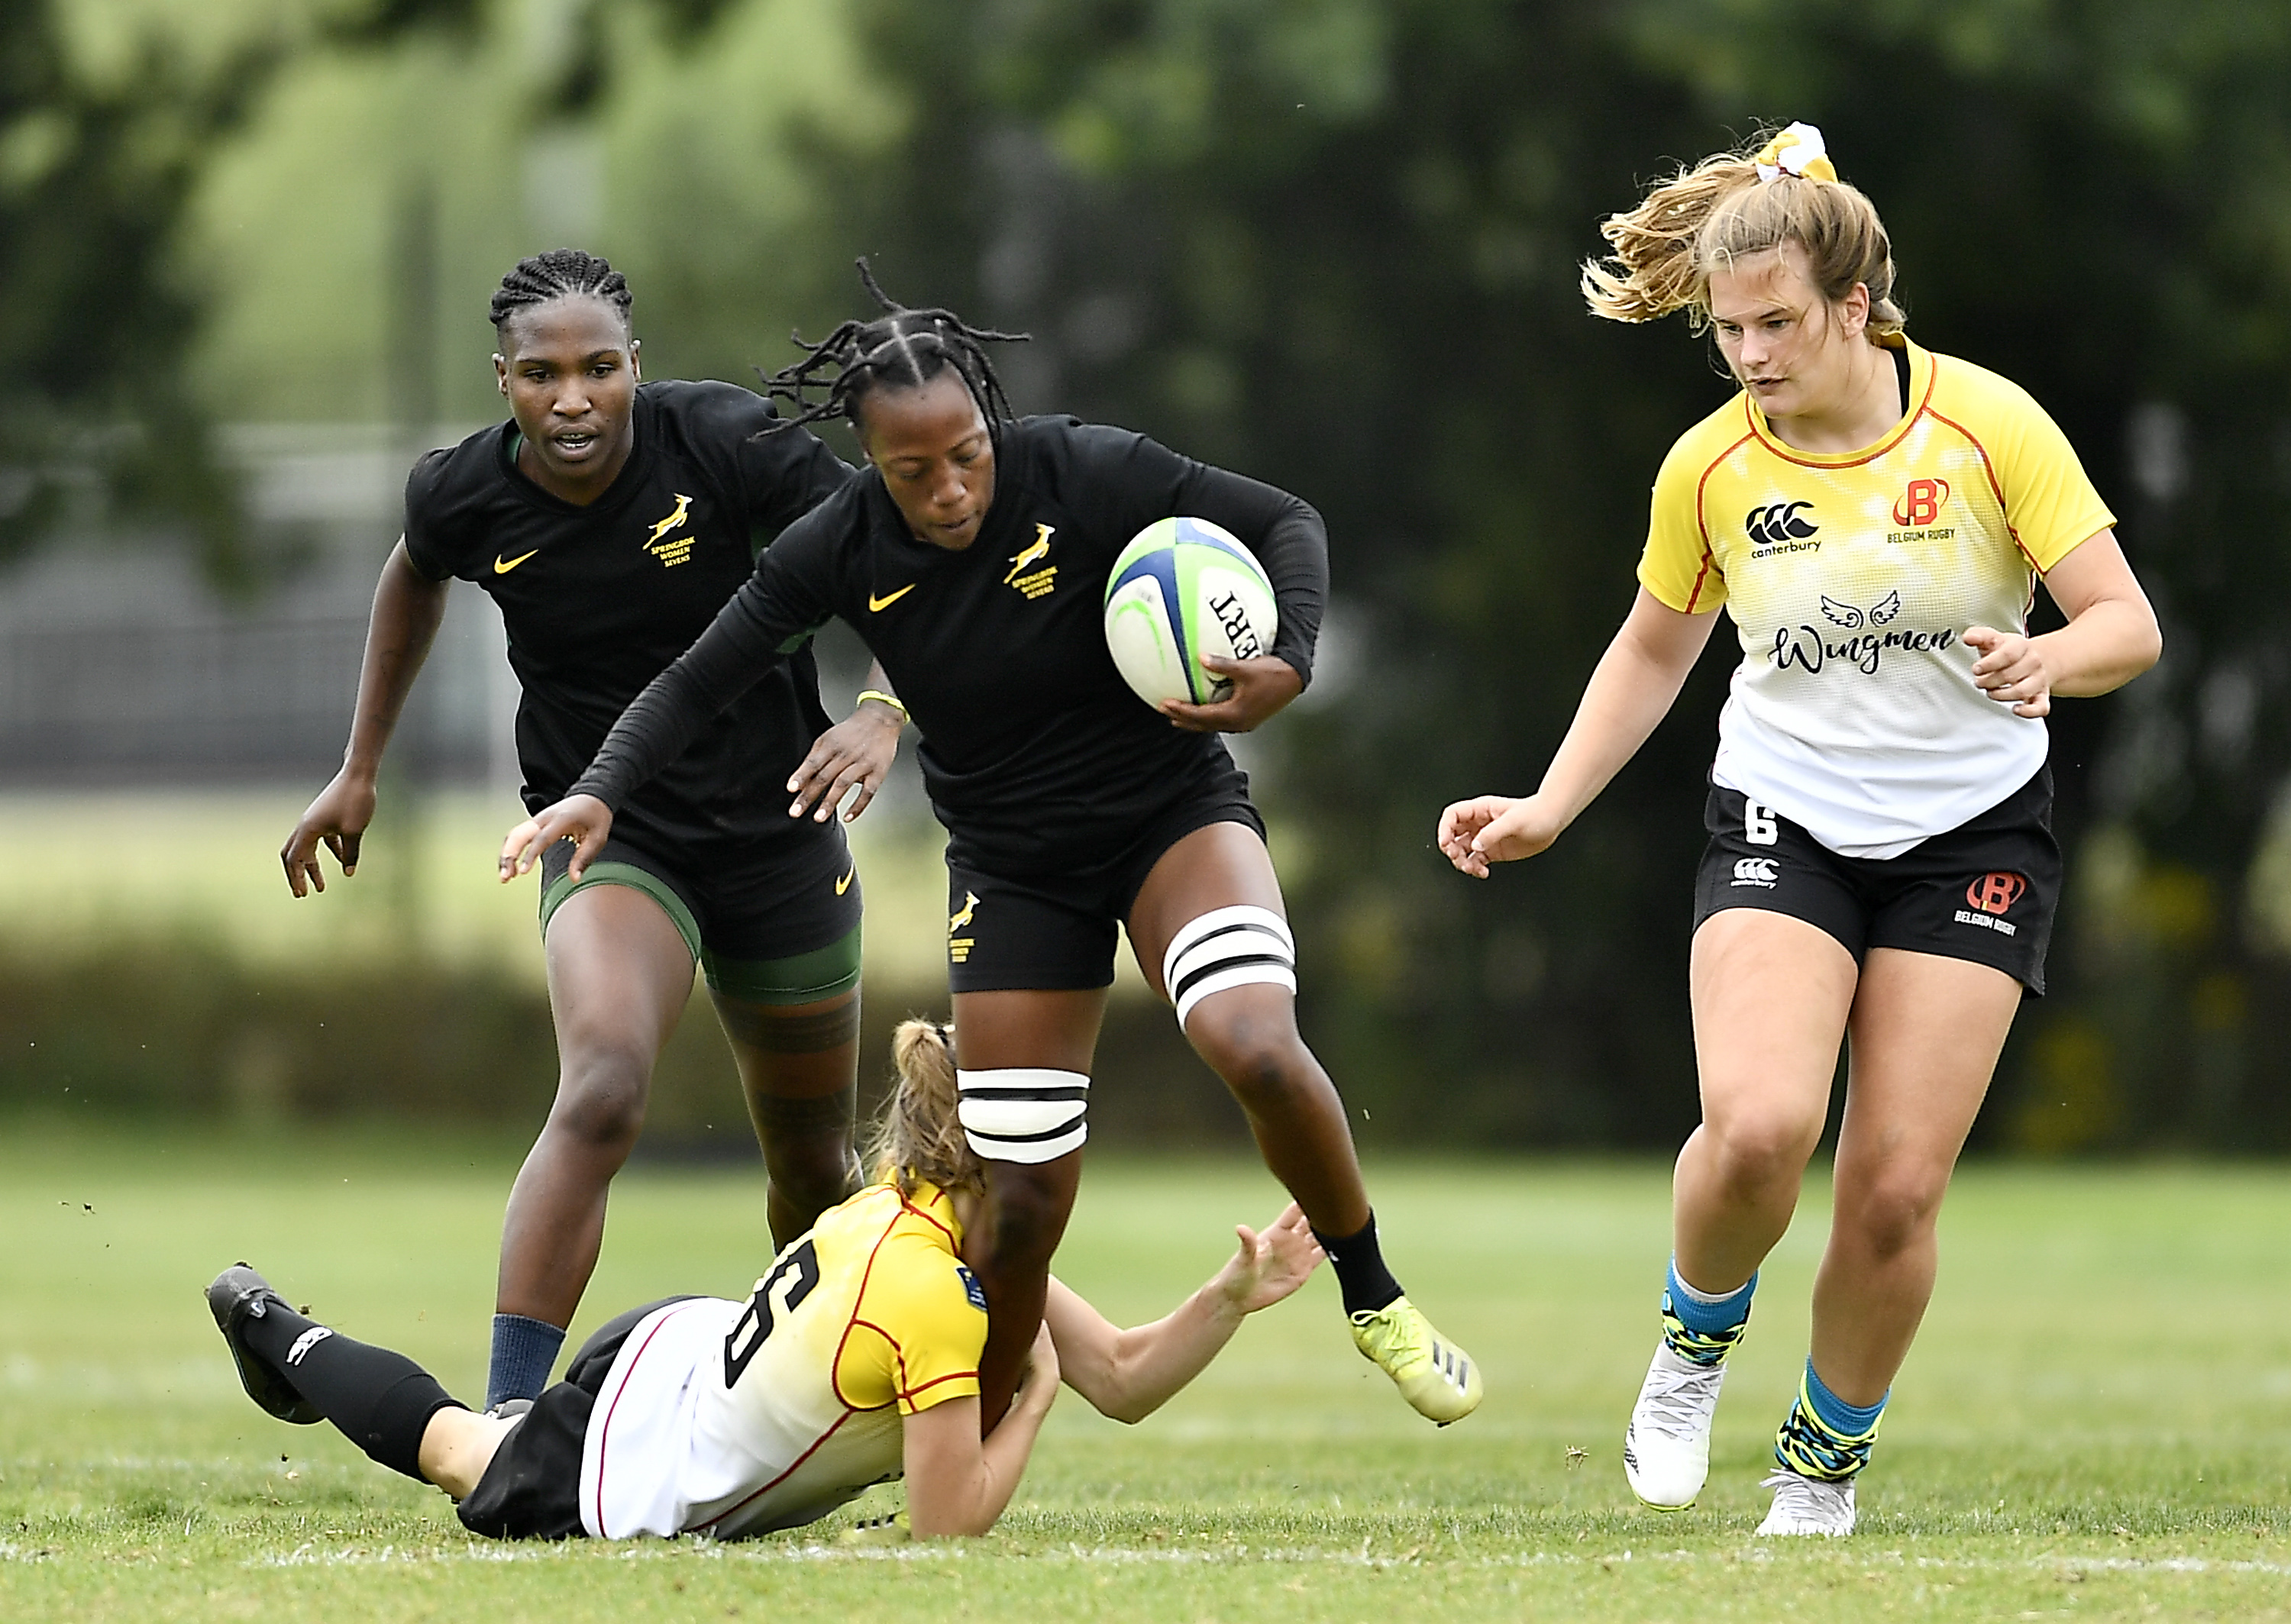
(1759, 1147)
(1029, 1208)
(600, 1096)
(1892, 1212)
(1255, 1048)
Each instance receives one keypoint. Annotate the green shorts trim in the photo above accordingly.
(637, 880)
(799, 978)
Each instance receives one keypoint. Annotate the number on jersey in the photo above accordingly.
(790, 1281)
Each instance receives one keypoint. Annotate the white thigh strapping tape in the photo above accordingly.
(1024, 1113)
(1227, 947)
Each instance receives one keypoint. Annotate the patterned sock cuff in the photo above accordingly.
(1702, 1330)
(1824, 1438)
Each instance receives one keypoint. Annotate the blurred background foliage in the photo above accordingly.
(1334, 243)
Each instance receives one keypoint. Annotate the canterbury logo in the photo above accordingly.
(969, 906)
(876, 606)
(674, 521)
(501, 566)
(1770, 527)
(1994, 893)
(304, 1343)
(1033, 551)
(1845, 615)
(844, 884)
(1921, 504)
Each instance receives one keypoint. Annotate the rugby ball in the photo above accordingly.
(1182, 589)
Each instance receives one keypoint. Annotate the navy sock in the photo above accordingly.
(525, 1350)
(381, 1401)
(1362, 1278)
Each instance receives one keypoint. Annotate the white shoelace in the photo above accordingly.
(1679, 1403)
(1826, 1506)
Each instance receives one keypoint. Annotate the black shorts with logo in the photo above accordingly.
(1058, 933)
(531, 1489)
(1985, 891)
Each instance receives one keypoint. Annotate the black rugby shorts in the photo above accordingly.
(1052, 933)
(531, 1489)
(1985, 891)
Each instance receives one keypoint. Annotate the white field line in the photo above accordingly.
(1237, 1557)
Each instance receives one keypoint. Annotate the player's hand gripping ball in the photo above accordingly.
(1185, 588)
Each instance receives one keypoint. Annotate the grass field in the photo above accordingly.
(2096, 1422)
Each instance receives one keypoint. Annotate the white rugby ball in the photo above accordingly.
(1182, 589)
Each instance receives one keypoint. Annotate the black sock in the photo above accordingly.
(1367, 1285)
(381, 1400)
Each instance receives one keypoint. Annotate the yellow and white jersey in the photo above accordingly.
(1852, 579)
(734, 1418)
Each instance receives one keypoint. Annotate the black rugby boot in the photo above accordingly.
(238, 1295)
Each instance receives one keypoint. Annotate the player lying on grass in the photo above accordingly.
(855, 1361)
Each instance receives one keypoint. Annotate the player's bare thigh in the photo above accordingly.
(458, 1445)
(618, 967)
(1927, 1031)
(1771, 995)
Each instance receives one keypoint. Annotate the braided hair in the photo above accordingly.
(561, 273)
(903, 349)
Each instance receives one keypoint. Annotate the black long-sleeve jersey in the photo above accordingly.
(599, 599)
(1038, 756)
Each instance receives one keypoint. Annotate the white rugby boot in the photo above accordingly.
(1807, 1506)
(1666, 1447)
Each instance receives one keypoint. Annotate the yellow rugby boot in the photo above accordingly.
(1432, 1373)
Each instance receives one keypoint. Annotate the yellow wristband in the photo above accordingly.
(867, 694)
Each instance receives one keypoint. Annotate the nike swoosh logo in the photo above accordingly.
(878, 605)
(501, 566)
(844, 884)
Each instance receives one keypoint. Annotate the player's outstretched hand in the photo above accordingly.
(337, 819)
(2011, 671)
(582, 819)
(855, 754)
(1495, 829)
(1262, 689)
(1270, 1265)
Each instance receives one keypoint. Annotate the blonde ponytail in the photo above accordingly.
(919, 1137)
(1726, 208)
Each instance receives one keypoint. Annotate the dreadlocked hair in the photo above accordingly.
(1704, 218)
(901, 348)
(561, 273)
(918, 1138)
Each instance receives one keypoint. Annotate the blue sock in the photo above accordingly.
(1699, 1329)
(524, 1351)
(1848, 1420)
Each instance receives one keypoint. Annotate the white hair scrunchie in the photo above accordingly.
(1798, 150)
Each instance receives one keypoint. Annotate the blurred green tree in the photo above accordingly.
(1334, 242)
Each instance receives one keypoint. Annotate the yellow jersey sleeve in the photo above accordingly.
(1677, 566)
(917, 1332)
(2049, 503)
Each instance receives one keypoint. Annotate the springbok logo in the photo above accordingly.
(671, 553)
(1845, 615)
(958, 947)
(1042, 582)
